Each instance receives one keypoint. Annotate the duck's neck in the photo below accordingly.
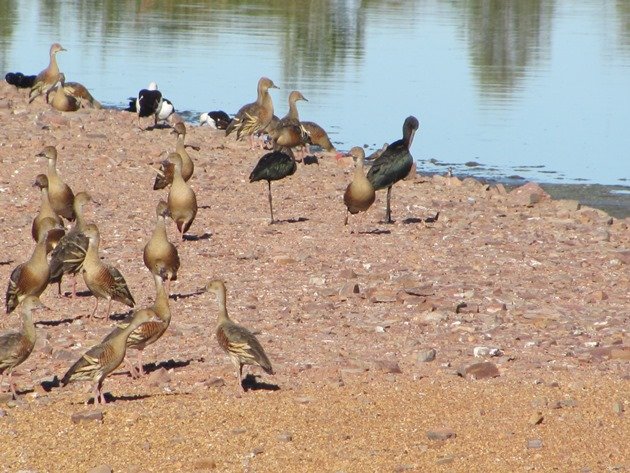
(39, 253)
(160, 306)
(46, 207)
(28, 327)
(91, 256)
(223, 315)
(80, 219)
(52, 167)
(177, 177)
(160, 228)
(293, 111)
(52, 65)
(267, 103)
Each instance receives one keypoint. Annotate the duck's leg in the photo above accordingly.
(95, 307)
(11, 385)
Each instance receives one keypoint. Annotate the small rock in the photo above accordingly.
(101, 469)
(87, 416)
(214, 382)
(441, 434)
(5, 397)
(567, 205)
(427, 356)
(617, 408)
(535, 443)
(386, 366)
(483, 370)
(304, 400)
(347, 274)
(528, 195)
(379, 329)
(257, 451)
(159, 377)
(536, 418)
(349, 288)
(205, 464)
(285, 437)
(3, 413)
(317, 281)
(445, 460)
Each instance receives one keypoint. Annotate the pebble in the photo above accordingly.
(386, 366)
(159, 377)
(205, 464)
(482, 370)
(535, 443)
(285, 437)
(3, 413)
(441, 434)
(427, 356)
(617, 408)
(87, 416)
(101, 469)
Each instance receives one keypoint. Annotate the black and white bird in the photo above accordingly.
(150, 102)
(217, 119)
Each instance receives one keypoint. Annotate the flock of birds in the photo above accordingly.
(74, 252)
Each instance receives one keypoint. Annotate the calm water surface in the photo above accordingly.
(502, 89)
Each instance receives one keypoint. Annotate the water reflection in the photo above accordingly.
(506, 41)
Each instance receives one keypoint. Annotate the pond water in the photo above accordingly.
(534, 89)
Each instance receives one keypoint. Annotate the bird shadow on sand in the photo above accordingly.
(9, 261)
(121, 316)
(159, 126)
(376, 231)
(54, 323)
(412, 220)
(204, 236)
(290, 220)
(109, 397)
(167, 365)
(186, 295)
(250, 383)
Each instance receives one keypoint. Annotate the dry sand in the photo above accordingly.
(347, 315)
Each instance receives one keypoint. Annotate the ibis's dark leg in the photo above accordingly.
(388, 214)
(270, 206)
(345, 222)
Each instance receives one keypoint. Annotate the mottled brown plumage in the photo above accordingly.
(288, 132)
(80, 93)
(160, 255)
(149, 332)
(103, 280)
(102, 359)
(47, 78)
(164, 178)
(29, 278)
(67, 257)
(15, 347)
(45, 209)
(359, 195)
(182, 202)
(254, 117)
(239, 343)
(318, 136)
(59, 193)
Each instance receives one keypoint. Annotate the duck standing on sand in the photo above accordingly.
(359, 195)
(47, 78)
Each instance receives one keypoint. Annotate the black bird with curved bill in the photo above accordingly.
(394, 164)
(273, 167)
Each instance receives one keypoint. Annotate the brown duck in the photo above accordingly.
(254, 117)
(163, 179)
(318, 136)
(102, 359)
(29, 278)
(15, 347)
(47, 78)
(61, 99)
(359, 195)
(160, 255)
(59, 193)
(239, 343)
(182, 202)
(79, 92)
(45, 209)
(149, 332)
(67, 256)
(103, 280)
(288, 132)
